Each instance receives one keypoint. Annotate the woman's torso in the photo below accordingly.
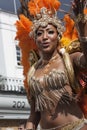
(53, 94)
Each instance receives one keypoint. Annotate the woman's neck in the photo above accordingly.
(48, 56)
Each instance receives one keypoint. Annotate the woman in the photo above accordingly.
(52, 99)
(63, 110)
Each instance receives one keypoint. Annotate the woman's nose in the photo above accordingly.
(45, 36)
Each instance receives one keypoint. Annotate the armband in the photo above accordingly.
(83, 39)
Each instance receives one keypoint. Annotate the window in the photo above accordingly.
(18, 54)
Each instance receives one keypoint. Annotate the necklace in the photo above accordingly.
(47, 63)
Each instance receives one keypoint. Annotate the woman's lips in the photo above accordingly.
(45, 44)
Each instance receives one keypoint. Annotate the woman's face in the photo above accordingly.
(46, 38)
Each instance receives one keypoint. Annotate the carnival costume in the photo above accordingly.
(44, 12)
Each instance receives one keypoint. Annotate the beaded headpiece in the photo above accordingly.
(42, 13)
(44, 18)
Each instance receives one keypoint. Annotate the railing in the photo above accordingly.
(10, 84)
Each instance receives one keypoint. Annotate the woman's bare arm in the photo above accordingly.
(80, 19)
(34, 117)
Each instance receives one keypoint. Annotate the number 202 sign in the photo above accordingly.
(18, 104)
(14, 102)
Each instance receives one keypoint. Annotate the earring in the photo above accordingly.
(59, 37)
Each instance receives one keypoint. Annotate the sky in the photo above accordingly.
(13, 5)
(8, 5)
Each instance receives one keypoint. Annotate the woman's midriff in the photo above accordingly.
(61, 116)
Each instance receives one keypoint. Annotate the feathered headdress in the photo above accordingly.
(69, 39)
(35, 6)
(25, 43)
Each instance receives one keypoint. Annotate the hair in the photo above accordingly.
(35, 56)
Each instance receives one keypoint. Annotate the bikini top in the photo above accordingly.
(49, 89)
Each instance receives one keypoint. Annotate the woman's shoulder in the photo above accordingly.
(75, 55)
(33, 68)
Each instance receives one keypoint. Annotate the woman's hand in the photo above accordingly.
(78, 7)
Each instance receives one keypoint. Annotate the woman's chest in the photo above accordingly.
(49, 79)
(49, 68)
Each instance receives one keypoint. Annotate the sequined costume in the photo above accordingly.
(48, 90)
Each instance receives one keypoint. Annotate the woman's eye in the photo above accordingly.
(39, 33)
(51, 32)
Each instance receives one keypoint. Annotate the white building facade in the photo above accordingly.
(13, 101)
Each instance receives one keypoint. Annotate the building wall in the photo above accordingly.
(14, 105)
(7, 45)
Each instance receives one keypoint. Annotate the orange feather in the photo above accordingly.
(25, 43)
(70, 31)
(85, 11)
(34, 6)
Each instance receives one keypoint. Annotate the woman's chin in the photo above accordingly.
(46, 50)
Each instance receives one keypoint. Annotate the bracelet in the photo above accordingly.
(83, 39)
